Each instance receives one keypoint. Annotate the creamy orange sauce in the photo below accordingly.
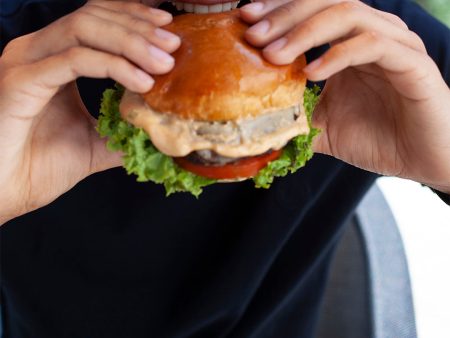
(177, 136)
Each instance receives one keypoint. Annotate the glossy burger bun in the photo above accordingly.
(218, 76)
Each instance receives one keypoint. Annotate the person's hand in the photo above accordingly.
(48, 141)
(385, 106)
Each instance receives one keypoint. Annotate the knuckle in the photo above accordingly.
(114, 62)
(17, 50)
(91, 8)
(396, 19)
(124, 6)
(285, 10)
(348, 7)
(17, 44)
(9, 78)
(375, 40)
(133, 40)
(134, 21)
(417, 40)
(137, 7)
(307, 28)
(144, 27)
(73, 21)
(5, 77)
(13, 44)
(77, 20)
(340, 50)
(349, 11)
(74, 54)
(373, 37)
(430, 64)
(116, 67)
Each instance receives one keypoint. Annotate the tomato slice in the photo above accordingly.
(244, 168)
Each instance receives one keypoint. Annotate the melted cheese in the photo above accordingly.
(177, 137)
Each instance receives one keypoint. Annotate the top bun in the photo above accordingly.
(218, 76)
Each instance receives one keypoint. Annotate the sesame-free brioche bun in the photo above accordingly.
(218, 76)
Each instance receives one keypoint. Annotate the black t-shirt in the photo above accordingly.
(115, 258)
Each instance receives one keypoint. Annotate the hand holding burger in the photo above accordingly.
(48, 141)
(385, 106)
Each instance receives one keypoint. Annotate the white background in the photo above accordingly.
(424, 223)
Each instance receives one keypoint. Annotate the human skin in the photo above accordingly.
(384, 107)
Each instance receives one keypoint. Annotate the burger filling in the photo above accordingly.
(221, 141)
(203, 166)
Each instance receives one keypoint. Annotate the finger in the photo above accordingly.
(161, 38)
(398, 61)
(392, 18)
(63, 68)
(45, 77)
(340, 21)
(157, 17)
(90, 31)
(256, 10)
(283, 18)
(291, 14)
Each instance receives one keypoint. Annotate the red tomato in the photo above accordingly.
(245, 168)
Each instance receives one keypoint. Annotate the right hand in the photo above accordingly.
(48, 141)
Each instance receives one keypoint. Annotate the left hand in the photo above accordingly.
(385, 106)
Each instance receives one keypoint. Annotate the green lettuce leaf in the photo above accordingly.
(140, 157)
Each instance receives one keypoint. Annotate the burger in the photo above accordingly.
(223, 114)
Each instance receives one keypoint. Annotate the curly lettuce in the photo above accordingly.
(140, 156)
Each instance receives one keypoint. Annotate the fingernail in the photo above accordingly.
(160, 55)
(161, 13)
(276, 45)
(144, 78)
(166, 35)
(254, 7)
(313, 65)
(261, 27)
